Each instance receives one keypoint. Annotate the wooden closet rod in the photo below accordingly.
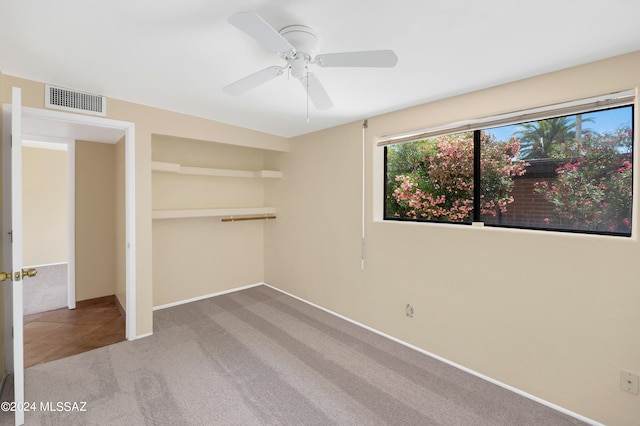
(237, 219)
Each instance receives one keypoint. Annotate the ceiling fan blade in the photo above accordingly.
(249, 82)
(316, 92)
(369, 58)
(252, 24)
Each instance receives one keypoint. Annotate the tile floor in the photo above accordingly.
(61, 333)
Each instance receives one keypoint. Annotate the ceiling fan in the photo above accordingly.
(297, 45)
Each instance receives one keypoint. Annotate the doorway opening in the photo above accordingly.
(77, 187)
(62, 127)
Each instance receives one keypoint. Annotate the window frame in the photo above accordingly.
(622, 99)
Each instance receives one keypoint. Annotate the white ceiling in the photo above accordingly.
(177, 55)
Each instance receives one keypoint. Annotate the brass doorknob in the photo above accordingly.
(6, 276)
(28, 273)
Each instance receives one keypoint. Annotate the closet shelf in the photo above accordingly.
(228, 212)
(160, 166)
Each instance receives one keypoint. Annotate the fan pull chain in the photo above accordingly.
(306, 69)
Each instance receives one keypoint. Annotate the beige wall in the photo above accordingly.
(45, 206)
(196, 257)
(553, 314)
(149, 121)
(95, 220)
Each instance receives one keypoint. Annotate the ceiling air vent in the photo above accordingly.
(74, 101)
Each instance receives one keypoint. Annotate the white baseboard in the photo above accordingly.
(446, 361)
(142, 336)
(206, 296)
(195, 299)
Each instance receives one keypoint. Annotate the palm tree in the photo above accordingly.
(536, 137)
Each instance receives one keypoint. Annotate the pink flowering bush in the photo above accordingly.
(593, 188)
(432, 179)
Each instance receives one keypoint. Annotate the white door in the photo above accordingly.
(16, 251)
(12, 249)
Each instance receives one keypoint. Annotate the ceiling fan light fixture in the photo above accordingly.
(298, 66)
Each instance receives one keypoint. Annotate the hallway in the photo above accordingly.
(63, 332)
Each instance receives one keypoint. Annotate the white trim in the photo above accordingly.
(364, 128)
(206, 296)
(29, 138)
(195, 213)
(142, 336)
(130, 230)
(17, 251)
(71, 224)
(163, 166)
(6, 224)
(112, 130)
(446, 361)
(51, 146)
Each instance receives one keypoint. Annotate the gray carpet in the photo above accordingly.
(259, 357)
(47, 290)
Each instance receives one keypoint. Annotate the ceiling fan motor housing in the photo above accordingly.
(303, 39)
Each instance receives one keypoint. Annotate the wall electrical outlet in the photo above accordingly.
(629, 382)
(409, 310)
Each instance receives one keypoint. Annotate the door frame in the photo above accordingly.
(59, 127)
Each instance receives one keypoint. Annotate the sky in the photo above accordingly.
(605, 121)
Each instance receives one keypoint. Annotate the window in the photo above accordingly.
(431, 179)
(564, 173)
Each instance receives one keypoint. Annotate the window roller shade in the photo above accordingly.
(568, 108)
